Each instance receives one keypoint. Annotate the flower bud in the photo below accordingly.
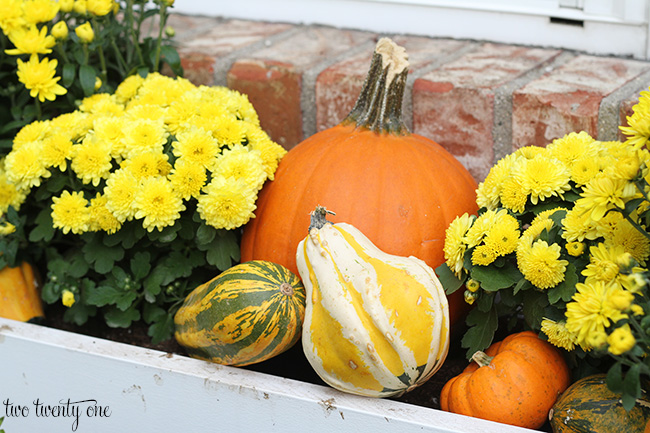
(80, 7)
(99, 7)
(66, 5)
(85, 32)
(170, 32)
(67, 298)
(470, 297)
(98, 83)
(60, 30)
(472, 285)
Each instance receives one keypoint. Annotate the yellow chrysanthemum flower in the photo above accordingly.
(128, 88)
(31, 40)
(25, 167)
(604, 193)
(621, 340)
(57, 149)
(187, 179)
(143, 135)
(585, 169)
(630, 239)
(484, 255)
(489, 191)
(228, 131)
(121, 188)
(40, 11)
(66, 5)
(6, 228)
(75, 124)
(110, 129)
(513, 195)
(196, 146)
(148, 112)
(540, 264)
(591, 311)
(455, 242)
(227, 203)
(542, 177)
(10, 195)
(241, 163)
(91, 160)
(100, 217)
(146, 164)
(60, 30)
(572, 147)
(70, 212)
(558, 335)
(157, 205)
(35, 131)
(482, 225)
(101, 103)
(504, 235)
(38, 78)
(529, 152)
(270, 151)
(578, 226)
(11, 16)
(638, 129)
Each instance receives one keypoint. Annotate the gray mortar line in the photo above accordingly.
(502, 126)
(610, 106)
(309, 78)
(187, 35)
(223, 64)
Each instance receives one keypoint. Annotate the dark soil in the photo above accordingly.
(291, 364)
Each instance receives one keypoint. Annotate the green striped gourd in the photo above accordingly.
(247, 314)
(375, 324)
(589, 406)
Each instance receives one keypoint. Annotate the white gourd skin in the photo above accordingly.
(370, 317)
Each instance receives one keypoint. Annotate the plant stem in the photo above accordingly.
(163, 20)
(100, 52)
(135, 34)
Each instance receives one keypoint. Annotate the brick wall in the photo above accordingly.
(479, 100)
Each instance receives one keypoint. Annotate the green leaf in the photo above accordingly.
(140, 265)
(205, 235)
(162, 329)
(103, 295)
(615, 378)
(67, 75)
(632, 381)
(533, 307)
(154, 282)
(482, 326)
(44, 228)
(87, 75)
(493, 278)
(102, 256)
(450, 282)
(485, 301)
(116, 318)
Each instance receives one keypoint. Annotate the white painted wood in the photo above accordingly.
(149, 391)
(610, 27)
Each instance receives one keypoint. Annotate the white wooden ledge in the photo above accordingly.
(145, 390)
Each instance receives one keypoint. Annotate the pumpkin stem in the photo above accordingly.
(482, 359)
(319, 218)
(379, 106)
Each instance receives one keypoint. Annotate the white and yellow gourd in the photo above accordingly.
(375, 324)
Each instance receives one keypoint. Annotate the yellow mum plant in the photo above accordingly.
(561, 243)
(55, 52)
(135, 198)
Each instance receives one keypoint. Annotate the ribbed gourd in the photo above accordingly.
(589, 406)
(375, 324)
(20, 298)
(247, 314)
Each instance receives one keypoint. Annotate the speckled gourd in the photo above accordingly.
(375, 324)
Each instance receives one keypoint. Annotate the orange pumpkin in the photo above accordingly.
(19, 293)
(400, 189)
(516, 381)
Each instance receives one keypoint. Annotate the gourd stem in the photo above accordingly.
(482, 359)
(379, 106)
(319, 218)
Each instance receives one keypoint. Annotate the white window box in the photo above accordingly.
(150, 391)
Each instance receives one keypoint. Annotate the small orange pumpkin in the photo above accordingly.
(19, 293)
(516, 381)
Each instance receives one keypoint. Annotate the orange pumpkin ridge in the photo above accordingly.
(517, 386)
(402, 190)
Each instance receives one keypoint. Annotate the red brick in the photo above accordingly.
(272, 77)
(627, 109)
(200, 52)
(338, 86)
(568, 98)
(454, 104)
